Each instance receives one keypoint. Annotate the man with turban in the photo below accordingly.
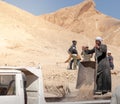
(103, 75)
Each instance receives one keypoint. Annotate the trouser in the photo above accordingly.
(74, 63)
(71, 62)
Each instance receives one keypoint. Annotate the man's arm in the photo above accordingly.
(90, 51)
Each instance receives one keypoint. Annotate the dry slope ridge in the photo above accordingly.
(85, 19)
(71, 17)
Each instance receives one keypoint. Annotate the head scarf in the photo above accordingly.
(109, 52)
(99, 39)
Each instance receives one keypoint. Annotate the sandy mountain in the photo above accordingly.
(86, 20)
(29, 40)
(25, 33)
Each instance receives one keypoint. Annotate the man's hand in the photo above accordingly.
(97, 46)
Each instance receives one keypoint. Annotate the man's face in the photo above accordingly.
(97, 42)
(75, 43)
(109, 54)
(87, 48)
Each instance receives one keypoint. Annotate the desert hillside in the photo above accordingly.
(22, 32)
(86, 20)
(26, 40)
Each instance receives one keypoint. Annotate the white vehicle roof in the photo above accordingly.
(29, 70)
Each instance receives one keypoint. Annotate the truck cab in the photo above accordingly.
(21, 85)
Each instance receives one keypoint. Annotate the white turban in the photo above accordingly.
(99, 38)
(109, 52)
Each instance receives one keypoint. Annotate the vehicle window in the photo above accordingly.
(7, 85)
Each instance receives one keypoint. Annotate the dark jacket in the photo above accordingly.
(72, 50)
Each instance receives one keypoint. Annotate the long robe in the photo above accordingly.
(103, 75)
